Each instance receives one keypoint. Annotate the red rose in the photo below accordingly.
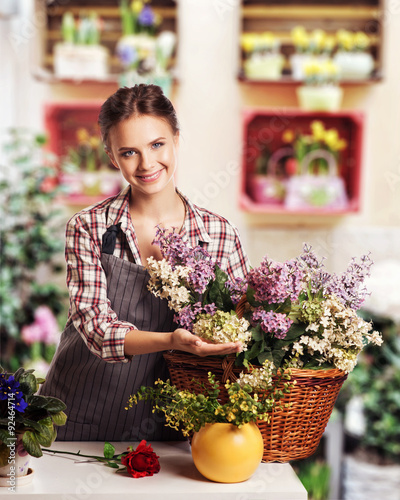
(142, 461)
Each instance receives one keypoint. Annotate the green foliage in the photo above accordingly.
(37, 423)
(192, 410)
(29, 185)
(315, 477)
(376, 379)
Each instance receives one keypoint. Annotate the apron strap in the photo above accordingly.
(109, 239)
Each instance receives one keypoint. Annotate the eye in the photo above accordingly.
(157, 145)
(127, 154)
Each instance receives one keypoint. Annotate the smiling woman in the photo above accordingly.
(116, 330)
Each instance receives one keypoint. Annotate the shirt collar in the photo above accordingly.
(193, 228)
(119, 209)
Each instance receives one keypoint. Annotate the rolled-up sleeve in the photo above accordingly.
(90, 308)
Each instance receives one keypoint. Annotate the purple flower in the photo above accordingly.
(146, 16)
(349, 287)
(10, 390)
(277, 324)
(274, 282)
(187, 315)
(127, 54)
(237, 289)
(43, 329)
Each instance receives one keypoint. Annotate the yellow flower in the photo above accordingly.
(329, 68)
(267, 40)
(361, 40)
(331, 138)
(288, 136)
(137, 6)
(329, 43)
(318, 130)
(342, 144)
(248, 42)
(300, 37)
(312, 68)
(345, 39)
(82, 135)
(94, 141)
(317, 38)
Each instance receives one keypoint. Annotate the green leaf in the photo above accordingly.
(295, 331)
(254, 351)
(31, 444)
(109, 450)
(262, 357)
(38, 401)
(59, 418)
(45, 436)
(113, 465)
(54, 405)
(257, 333)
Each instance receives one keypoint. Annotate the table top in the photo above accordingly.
(68, 477)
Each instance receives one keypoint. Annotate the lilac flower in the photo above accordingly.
(349, 287)
(271, 322)
(274, 282)
(237, 289)
(185, 318)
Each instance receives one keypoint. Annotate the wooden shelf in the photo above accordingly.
(288, 80)
(301, 12)
(165, 12)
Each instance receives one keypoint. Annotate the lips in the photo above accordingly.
(150, 177)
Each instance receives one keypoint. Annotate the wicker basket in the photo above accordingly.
(294, 432)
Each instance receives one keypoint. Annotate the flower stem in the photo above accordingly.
(79, 454)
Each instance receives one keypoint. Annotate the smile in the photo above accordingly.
(149, 178)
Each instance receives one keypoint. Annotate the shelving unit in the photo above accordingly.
(108, 11)
(264, 127)
(281, 17)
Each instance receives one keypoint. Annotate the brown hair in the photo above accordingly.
(141, 99)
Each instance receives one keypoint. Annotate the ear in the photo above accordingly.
(176, 139)
(112, 159)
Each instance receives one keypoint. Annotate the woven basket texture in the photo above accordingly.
(293, 432)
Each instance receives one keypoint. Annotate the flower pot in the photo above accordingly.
(138, 51)
(320, 98)
(268, 67)
(101, 182)
(368, 481)
(298, 61)
(80, 61)
(224, 453)
(354, 65)
(17, 458)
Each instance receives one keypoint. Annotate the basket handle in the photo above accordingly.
(276, 156)
(319, 153)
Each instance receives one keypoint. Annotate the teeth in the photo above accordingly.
(150, 176)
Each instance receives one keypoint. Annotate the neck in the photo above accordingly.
(164, 208)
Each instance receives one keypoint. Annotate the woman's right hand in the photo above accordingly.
(183, 340)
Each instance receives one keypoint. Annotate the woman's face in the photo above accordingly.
(144, 148)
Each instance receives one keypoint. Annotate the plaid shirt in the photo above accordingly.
(90, 309)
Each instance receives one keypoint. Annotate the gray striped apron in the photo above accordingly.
(96, 392)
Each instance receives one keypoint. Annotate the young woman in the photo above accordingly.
(116, 330)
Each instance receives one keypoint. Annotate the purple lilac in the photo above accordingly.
(349, 287)
(318, 277)
(237, 289)
(177, 252)
(188, 314)
(271, 322)
(274, 282)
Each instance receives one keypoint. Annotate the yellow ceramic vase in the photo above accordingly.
(227, 454)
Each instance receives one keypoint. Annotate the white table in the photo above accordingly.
(67, 477)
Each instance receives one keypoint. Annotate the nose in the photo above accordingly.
(146, 162)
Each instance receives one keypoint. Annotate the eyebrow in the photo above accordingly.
(124, 148)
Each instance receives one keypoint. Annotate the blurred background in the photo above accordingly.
(290, 119)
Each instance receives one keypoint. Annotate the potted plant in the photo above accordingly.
(372, 419)
(352, 58)
(315, 45)
(226, 444)
(145, 56)
(87, 167)
(80, 54)
(320, 91)
(27, 421)
(263, 60)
